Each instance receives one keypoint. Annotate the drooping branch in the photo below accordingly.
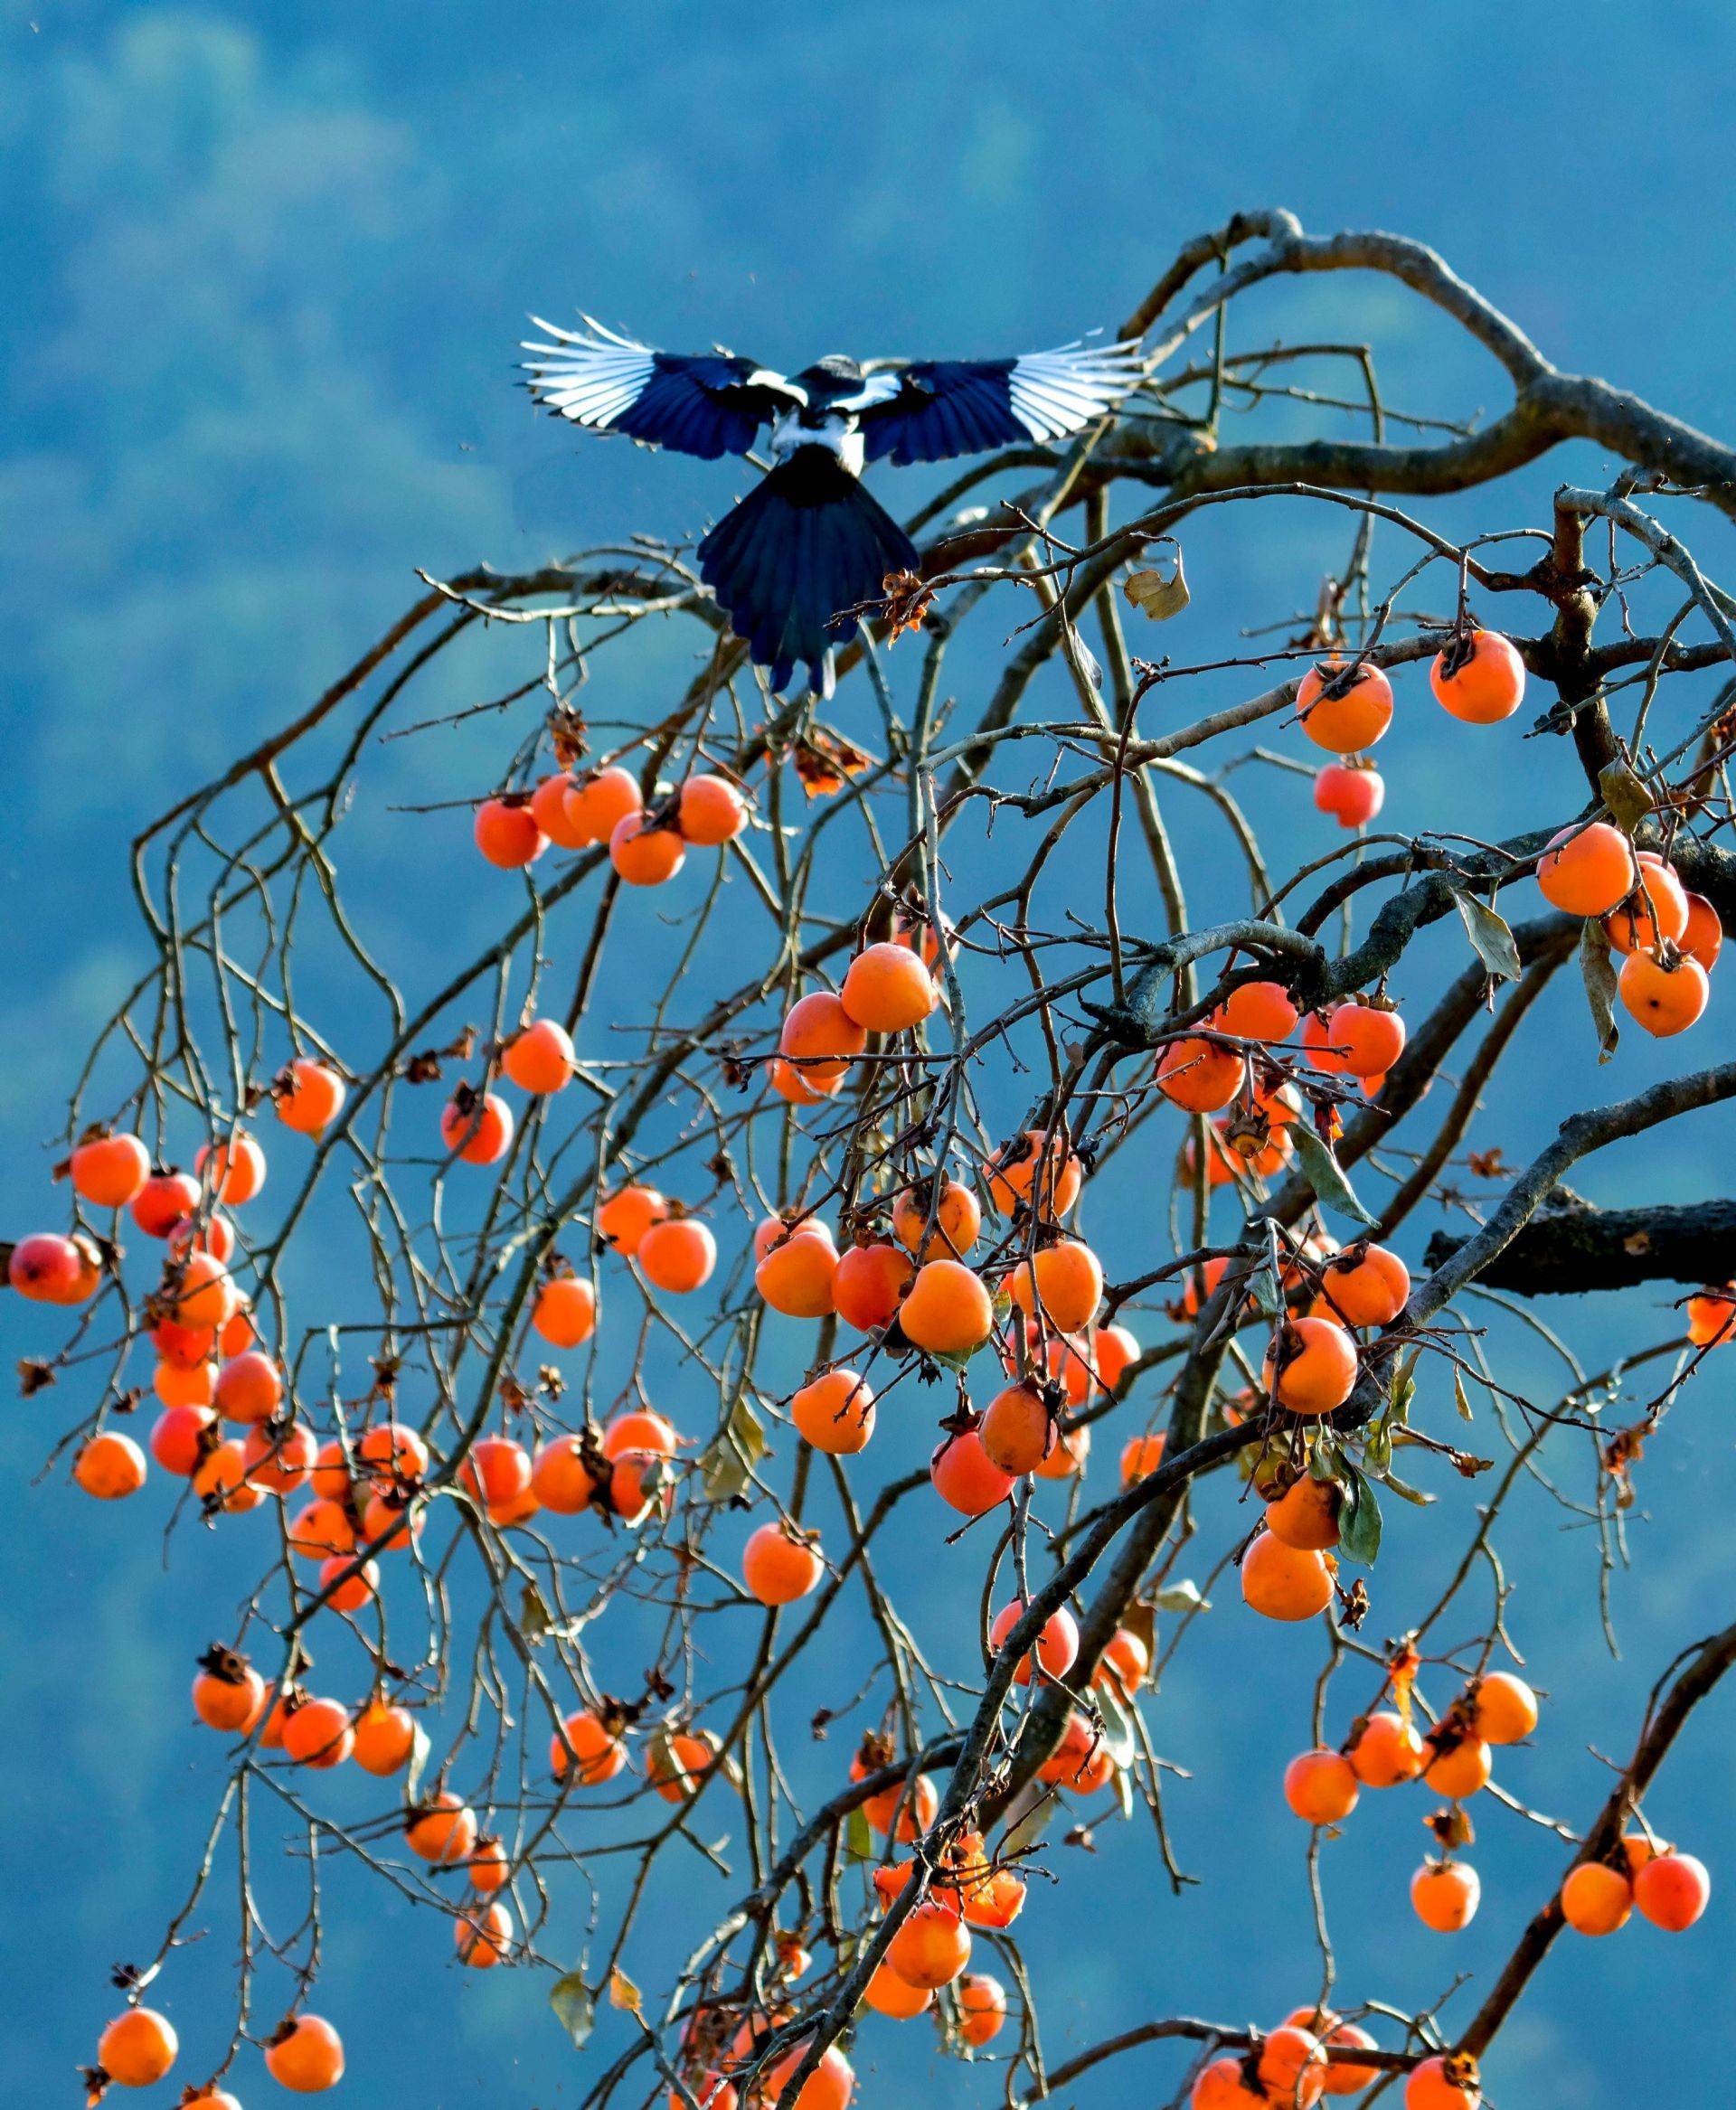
(1550, 407)
(1706, 1665)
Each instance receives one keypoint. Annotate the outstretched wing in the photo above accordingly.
(929, 410)
(710, 405)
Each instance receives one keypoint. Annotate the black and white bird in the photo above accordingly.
(809, 543)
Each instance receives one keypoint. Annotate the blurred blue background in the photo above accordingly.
(266, 270)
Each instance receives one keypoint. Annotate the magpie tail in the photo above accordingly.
(805, 543)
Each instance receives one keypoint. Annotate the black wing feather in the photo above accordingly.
(932, 410)
(709, 404)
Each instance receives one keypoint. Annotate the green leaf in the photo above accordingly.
(958, 1359)
(1327, 1460)
(534, 1617)
(858, 1837)
(1156, 595)
(1267, 1291)
(1030, 1825)
(729, 1459)
(1123, 1783)
(1599, 988)
(575, 2005)
(1181, 1597)
(1490, 938)
(1359, 1520)
(1120, 1738)
(1404, 1388)
(1324, 1175)
(1459, 1399)
(1377, 1451)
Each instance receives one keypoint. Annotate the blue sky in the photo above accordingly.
(266, 270)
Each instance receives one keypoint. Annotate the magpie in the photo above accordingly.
(808, 543)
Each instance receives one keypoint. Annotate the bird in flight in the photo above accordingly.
(808, 543)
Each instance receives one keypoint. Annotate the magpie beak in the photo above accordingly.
(810, 545)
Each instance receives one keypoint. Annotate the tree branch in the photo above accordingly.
(1570, 1245)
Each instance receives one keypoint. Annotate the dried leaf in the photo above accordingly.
(1406, 1493)
(566, 734)
(824, 761)
(1600, 989)
(1490, 937)
(1324, 1175)
(575, 2005)
(1140, 1619)
(622, 1992)
(1625, 794)
(1084, 660)
(1402, 1673)
(1181, 1597)
(1156, 596)
(908, 602)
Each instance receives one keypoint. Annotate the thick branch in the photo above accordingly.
(1577, 1137)
(1570, 1245)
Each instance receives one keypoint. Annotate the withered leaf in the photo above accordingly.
(824, 761)
(1600, 989)
(1490, 937)
(1625, 794)
(1155, 594)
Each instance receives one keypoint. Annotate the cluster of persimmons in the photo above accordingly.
(930, 1272)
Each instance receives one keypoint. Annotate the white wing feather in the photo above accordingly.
(1053, 394)
(590, 375)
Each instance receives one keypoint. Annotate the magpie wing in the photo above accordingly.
(930, 410)
(709, 405)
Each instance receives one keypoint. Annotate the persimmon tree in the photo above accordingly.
(489, 1319)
